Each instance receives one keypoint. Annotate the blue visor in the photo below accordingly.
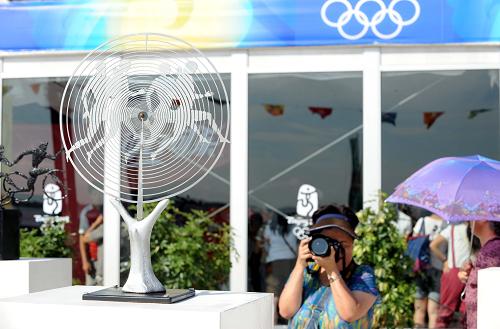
(322, 227)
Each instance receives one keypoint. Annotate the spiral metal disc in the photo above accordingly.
(154, 107)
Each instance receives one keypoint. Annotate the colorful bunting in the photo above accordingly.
(474, 113)
(389, 117)
(323, 112)
(274, 110)
(431, 117)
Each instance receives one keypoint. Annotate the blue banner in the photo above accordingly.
(83, 24)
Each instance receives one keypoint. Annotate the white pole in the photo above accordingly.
(372, 125)
(111, 240)
(239, 170)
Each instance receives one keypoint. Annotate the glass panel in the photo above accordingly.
(303, 129)
(212, 193)
(429, 115)
(30, 116)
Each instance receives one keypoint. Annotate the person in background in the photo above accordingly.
(255, 223)
(488, 233)
(90, 241)
(328, 293)
(454, 237)
(281, 251)
(404, 222)
(428, 281)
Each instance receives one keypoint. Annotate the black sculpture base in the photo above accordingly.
(115, 294)
(9, 234)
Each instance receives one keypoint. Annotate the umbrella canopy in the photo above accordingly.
(455, 188)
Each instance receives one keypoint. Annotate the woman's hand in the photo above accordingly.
(327, 263)
(86, 266)
(303, 254)
(291, 296)
(446, 269)
(463, 274)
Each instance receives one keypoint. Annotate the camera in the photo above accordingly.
(320, 246)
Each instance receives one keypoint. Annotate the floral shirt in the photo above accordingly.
(488, 256)
(318, 308)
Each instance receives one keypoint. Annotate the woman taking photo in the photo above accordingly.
(330, 291)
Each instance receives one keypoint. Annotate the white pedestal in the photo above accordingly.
(27, 275)
(64, 308)
(488, 292)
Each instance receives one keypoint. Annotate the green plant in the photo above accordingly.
(190, 249)
(51, 240)
(382, 247)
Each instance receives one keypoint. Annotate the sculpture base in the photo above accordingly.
(9, 234)
(30, 275)
(55, 309)
(115, 294)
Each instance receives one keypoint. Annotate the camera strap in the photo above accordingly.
(348, 272)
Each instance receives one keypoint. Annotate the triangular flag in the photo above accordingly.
(323, 112)
(431, 117)
(35, 87)
(175, 104)
(274, 110)
(474, 113)
(389, 117)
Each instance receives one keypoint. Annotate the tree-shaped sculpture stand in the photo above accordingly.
(144, 118)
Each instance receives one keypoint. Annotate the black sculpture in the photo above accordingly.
(3, 159)
(15, 183)
(10, 185)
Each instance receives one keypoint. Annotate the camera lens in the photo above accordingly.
(320, 247)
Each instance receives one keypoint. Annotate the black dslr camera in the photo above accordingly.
(320, 246)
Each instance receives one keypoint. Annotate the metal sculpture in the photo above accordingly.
(3, 158)
(142, 121)
(16, 183)
(11, 184)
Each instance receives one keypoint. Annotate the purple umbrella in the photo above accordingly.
(455, 188)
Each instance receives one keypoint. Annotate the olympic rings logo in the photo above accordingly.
(362, 18)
